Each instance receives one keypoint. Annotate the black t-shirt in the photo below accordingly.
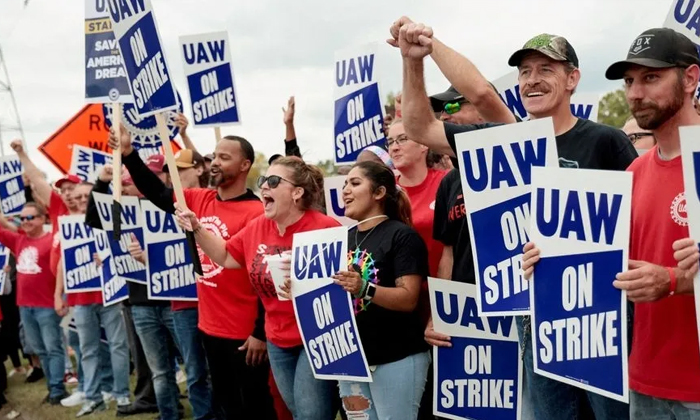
(450, 226)
(388, 252)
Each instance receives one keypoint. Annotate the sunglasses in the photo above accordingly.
(273, 181)
(453, 107)
(28, 218)
(398, 140)
(634, 137)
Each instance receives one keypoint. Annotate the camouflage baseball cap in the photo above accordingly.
(553, 46)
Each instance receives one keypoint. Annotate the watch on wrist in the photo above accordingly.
(370, 291)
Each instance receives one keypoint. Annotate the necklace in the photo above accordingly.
(357, 245)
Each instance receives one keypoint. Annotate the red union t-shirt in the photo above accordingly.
(664, 362)
(35, 281)
(250, 246)
(422, 198)
(228, 305)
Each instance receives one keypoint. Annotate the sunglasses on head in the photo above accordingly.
(453, 107)
(28, 218)
(272, 181)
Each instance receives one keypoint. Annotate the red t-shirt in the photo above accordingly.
(35, 282)
(261, 237)
(664, 362)
(228, 305)
(423, 211)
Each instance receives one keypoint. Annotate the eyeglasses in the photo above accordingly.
(272, 181)
(82, 197)
(453, 107)
(634, 137)
(28, 218)
(401, 139)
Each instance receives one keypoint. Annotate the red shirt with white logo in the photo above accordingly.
(250, 246)
(423, 212)
(665, 362)
(35, 282)
(228, 305)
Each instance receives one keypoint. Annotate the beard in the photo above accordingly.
(661, 113)
(220, 179)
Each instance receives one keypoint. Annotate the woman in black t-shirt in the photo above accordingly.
(388, 261)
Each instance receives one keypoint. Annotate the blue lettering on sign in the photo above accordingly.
(601, 217)
(346, 71)
(77, 230)
(499, 170)
(696, 172)
(687, 16)
(317, 260)
(212, 95)
(466, 314)
(171, 270)
(13, 166)
(582, 111)
(12, 197)
(514, 102)
(211, 51)
(335, 203)
(160, 222)
(579, 319)
(120, 9)
(358, 123)
(81, 270)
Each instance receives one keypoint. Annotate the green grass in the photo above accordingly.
(27, 400)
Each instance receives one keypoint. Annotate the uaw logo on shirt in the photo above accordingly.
(214, 225)
(678, 210)
(28, 261)
(144, 131)
(641, 44)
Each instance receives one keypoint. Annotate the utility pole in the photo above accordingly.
(9, 116)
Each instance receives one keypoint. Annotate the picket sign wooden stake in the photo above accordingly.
(217, 133)
(117, 171)
(170, 160)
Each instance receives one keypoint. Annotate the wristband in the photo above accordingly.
(674, 282)
(363, 290)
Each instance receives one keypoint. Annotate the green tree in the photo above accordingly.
(327, 167)
(390, 99)
(613, 109)
(259, 167)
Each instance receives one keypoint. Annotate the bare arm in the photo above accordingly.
(6, 223)
(60, 305)
(40, 187)
(469, 81)
(446, 263)
(182, 123)
(212, 245)
(403, 297)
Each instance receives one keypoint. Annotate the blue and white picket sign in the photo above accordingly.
(335, 208)
(136, 31)
(581, 224)
(87, 162)
(359, 113)
(325, 315)
(145, 137)
(480, 376)
(207, 61)
(126, 266)
(583, 105)
(4, 260)
(114, 288)
(495, 166)
(683, 17)
(171, 273)
(80, 271)
(12, 198)
(105, 77)
(690, 156)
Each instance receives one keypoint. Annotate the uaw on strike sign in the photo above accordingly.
(581, 224)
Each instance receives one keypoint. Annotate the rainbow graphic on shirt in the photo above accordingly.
(368, 272)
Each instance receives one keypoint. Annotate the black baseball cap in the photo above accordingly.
(553, 46)
(438, 100)
(658, 48)
(273, 158)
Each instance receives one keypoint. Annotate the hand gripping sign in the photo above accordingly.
(80, 271)
(207, 60)
(12, 198)
(114, 288)
(359, 117)
(581, 224)
(324, 312)
(335, 207)
(480, 376)
(126, 266)
(171, 273)
(495, 166)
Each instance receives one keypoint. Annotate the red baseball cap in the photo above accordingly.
(67, 178)
(155, 163)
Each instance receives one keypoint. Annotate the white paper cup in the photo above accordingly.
(274, 267)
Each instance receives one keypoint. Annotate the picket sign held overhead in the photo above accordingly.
(480, 376)
(171, 274)
(359, 114)
(87, 163)
(80, 271)
(324, 312)
(208, 68)
(581, 223)
(105, 76)
(12, 196)
(114, 288)
(583, 105)
(335, 207)
(495, 166)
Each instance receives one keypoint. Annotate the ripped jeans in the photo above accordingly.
(394, 394)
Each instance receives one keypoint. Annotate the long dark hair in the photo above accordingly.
(396, 203)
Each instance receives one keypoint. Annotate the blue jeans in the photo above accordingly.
(189, 340)
(153, 325)
(553, 400)
(306, 397)
(644, 407)
(395, 391)
(88, 319)
(43, 332)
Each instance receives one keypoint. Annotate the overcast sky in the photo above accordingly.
(283, 48)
